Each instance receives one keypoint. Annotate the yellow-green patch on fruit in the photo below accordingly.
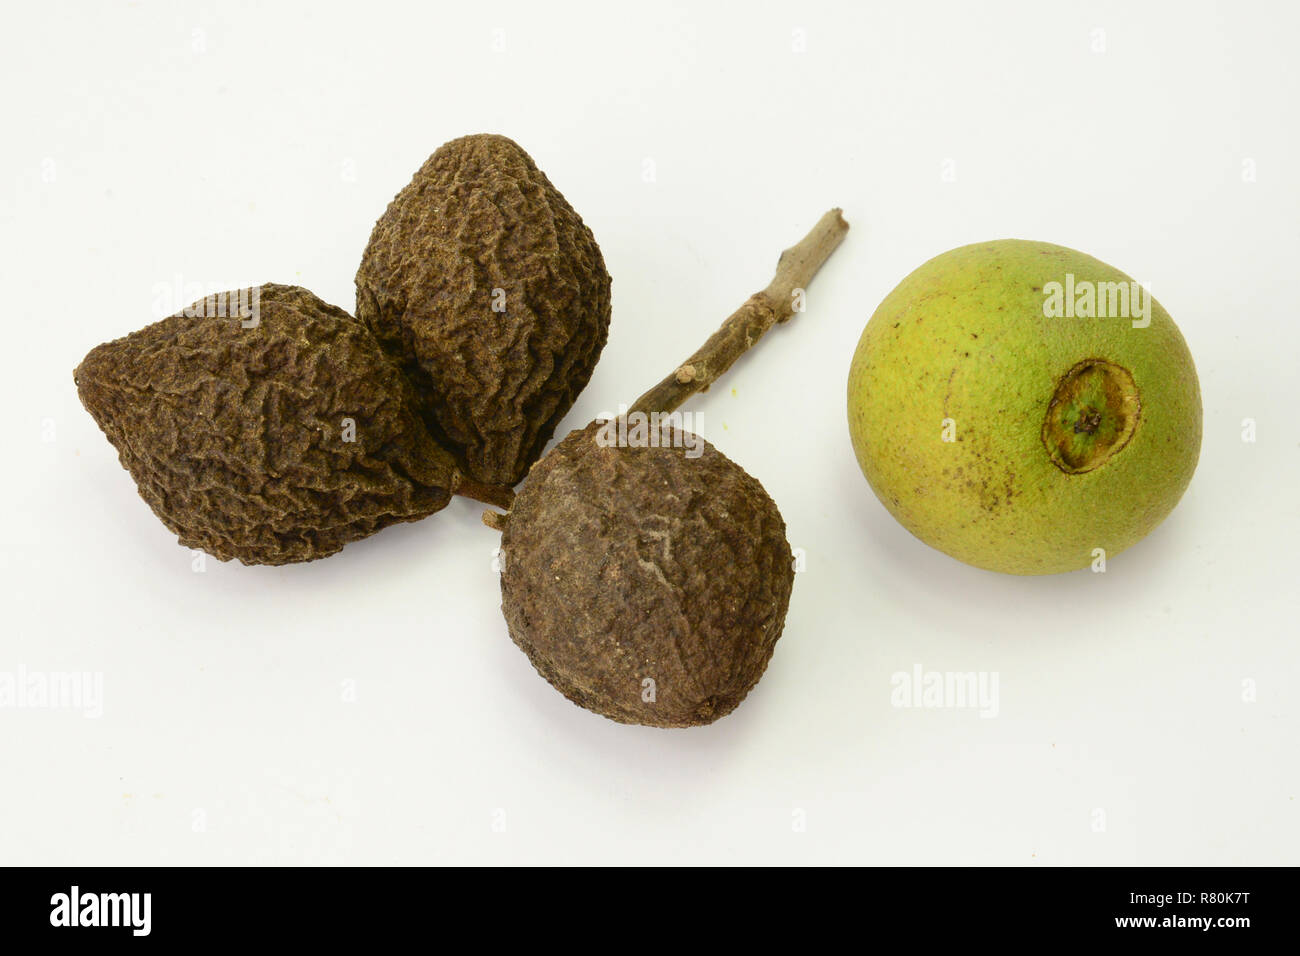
(1019, 405)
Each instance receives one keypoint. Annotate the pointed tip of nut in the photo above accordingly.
(496, 520)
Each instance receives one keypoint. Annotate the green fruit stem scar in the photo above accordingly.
(1091, 417)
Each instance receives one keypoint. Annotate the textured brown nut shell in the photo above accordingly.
(235, 436)
(479, 216)
(623, 564)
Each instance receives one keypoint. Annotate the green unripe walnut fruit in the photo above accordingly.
(1019, 405)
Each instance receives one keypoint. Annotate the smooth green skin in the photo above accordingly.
(964, 337)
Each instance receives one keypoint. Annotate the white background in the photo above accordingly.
(150, 143)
